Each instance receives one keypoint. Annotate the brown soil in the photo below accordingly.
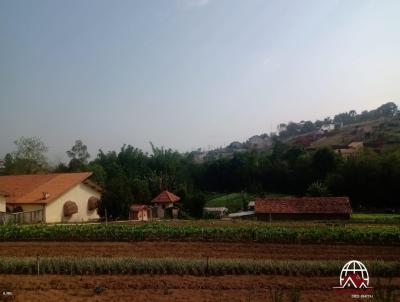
(201, 249)
(170, 288)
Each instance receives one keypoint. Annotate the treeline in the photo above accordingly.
(130, 176)
(368, 178)
(389, 109)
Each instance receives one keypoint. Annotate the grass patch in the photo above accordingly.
(233, 201)
(375, 217)
(236, 201)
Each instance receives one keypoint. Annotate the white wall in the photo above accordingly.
(79, 194)
(2, 203)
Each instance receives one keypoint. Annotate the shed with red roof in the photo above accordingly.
(164, 205)
(138, 212)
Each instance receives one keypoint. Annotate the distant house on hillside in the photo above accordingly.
(259, 142)
(314, 208)
(351, 148)
(327, 127)
(60, 197)
(281, 128)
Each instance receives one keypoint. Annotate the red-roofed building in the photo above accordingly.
(138, 212)
(46, 195)
(164, 202)
(303, 208)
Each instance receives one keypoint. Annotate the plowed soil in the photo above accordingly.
(170, 288)
(202, 249)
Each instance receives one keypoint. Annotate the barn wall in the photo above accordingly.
(79, 194)
(297, 216)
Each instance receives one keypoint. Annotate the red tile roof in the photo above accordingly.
(30, 188)
(138, 207)
(167, 197)
(4, 194)
(304, 205)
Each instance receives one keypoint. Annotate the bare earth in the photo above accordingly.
(168, 288)
(202, 249)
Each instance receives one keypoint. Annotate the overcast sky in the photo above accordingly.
(188, 73)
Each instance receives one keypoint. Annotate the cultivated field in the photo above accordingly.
(195, 260)
(149, 288)
(198, 250)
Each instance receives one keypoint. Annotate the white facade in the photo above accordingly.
(2, 203)
(54, 210)
(79, 194)
(328, 127)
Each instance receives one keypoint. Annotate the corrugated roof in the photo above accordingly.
(30, 188)
(304, 205)
(166, 196)
(216, 209)
(241, 214)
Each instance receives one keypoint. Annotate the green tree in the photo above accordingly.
(194, 204)
(141, 191)
(116, 198)
(28, 158)
(317, 189)
(324, 161)
(79, 156)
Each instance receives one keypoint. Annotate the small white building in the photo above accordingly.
(216, 212)
(327, 127)
(58, 197)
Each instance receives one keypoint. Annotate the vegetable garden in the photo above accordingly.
(385, 235)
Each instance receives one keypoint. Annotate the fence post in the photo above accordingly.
(207, 266)
(38, 264)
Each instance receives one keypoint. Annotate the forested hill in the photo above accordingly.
(378, 128)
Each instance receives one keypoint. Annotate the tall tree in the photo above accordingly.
(29, 156)
(79, 156)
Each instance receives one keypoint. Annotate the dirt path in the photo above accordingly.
(168, 288)
(201, 249)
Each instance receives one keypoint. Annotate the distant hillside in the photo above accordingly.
(378, 134)
(378, 128)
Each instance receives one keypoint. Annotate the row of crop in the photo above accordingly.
(165, 266)
(156, 231)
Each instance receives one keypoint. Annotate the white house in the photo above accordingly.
(327, 127)
(59, 197)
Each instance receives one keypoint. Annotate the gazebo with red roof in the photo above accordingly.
(165, 200)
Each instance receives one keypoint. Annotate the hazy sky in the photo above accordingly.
(188, 73)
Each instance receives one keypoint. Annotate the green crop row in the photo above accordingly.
(157, 231)
(165, 266)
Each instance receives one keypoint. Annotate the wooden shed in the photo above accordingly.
(311, 208)
(138, 212)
